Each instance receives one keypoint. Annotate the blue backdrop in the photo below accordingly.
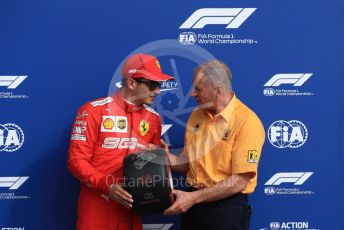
(287, 63)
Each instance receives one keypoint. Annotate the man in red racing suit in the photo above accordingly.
(103, 133)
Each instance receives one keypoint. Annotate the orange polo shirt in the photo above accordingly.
(222, 145)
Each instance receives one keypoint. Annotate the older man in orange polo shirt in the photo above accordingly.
(223, 144)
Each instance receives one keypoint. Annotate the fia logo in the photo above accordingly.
(287, 134)
(269, 92)
(275, 226)
(187, 38)
(11, 137)
(269, 191)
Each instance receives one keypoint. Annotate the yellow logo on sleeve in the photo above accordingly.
(252, 156)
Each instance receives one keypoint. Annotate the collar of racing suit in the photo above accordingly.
(125, 104)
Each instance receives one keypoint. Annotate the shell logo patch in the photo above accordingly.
(144, 127)
(108, 123)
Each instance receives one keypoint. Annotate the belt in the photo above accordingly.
(237, 196)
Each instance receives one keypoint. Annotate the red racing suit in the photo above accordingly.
(103, 133)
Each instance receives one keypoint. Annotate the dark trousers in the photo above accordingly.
(231, 213)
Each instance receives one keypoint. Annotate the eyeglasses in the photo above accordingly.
(152, 85)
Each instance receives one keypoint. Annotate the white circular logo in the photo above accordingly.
(11, 137)
(187, 38)
(287, 134)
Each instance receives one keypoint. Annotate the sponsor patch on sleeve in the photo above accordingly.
(81, 114)
(80, 122)
(102, 102)
(78, 137)
(252, 156)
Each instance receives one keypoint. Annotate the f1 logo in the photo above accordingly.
(11, 81)
(13, 183)
(232, 17)
(298, 178)
(296, 79)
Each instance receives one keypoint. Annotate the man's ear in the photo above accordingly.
(131, 84)
(220, 90)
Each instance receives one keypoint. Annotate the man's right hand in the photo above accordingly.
(118, 194)
(163, 146)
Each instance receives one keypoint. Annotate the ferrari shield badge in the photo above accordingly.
(144, 127)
